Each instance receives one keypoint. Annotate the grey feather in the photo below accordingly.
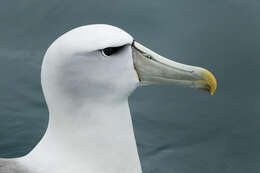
(11, 166)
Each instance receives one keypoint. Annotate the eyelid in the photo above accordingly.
(111, 50)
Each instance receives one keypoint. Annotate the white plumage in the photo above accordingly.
(90, 128)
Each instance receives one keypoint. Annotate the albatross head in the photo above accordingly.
(103, 62)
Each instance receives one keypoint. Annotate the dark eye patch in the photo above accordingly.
(111, 50)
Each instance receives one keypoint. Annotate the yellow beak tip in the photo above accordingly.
(212, 92)
(210, 81)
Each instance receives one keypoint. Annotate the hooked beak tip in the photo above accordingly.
(210, 80)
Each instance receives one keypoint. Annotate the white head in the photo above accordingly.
(104, 63)
(76, 67)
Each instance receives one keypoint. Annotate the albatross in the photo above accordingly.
(87, 75)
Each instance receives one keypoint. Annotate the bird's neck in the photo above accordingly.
(97, 138)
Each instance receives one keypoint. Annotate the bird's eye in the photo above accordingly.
(111, 50)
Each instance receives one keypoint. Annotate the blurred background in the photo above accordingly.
(177, 129)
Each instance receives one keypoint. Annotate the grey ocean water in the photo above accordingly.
(177, 129)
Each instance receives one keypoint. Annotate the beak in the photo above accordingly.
(152, 68)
